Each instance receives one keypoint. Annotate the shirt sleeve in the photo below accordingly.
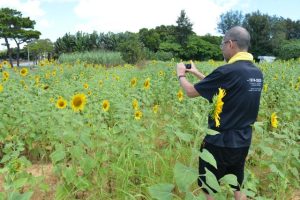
(209, 86)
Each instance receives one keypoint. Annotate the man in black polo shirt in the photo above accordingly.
(242, 82)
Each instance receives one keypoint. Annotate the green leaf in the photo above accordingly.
(208, 157)
(61, 192)
(211, 180)
(20, 183)
(18, 196)
(258, 127)
(266, 150)
(184, 136)
(211, 132)
(57, 156)
(295, 172)
(162, 191)
(229, 179)
(184, 176)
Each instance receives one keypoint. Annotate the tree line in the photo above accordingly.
(270, 35)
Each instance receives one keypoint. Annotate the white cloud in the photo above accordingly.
(131, 15)
(31, 8)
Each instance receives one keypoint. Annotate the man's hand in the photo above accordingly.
(195, 71)
(181, 69)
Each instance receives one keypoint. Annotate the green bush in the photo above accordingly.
(290, 49)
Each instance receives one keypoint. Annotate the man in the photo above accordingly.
(242, 83)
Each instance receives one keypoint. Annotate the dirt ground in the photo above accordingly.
(44, 170)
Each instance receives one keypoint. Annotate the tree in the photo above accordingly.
(184, 28)
(229, 20)
(150, 39)
(14, 26)
(259, 27)
(277, 33)
(7, 18)
(131, 48)
(289, 49)
(292, 29)
(199, 49)
(40, 48)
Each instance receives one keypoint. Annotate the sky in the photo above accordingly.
(54, 18)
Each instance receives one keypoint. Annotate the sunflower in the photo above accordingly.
(24, 71)
(274, 121)
(147, 84)
(135, 104)
(105, 105)
(5, 75)
(265, 87)
(78, 102)
(1, 87)
(155, 108)
(138, 115)
(37, 79)
(161, 73)
(218, 106)
(133, 82)
(86, 86)
(180, 95)
(100, 83)
(61, 103)
(5, 62)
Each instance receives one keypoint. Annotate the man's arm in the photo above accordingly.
(184, 83)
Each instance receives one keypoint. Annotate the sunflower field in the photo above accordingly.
(129, 132)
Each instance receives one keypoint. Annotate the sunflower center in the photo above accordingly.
(77, 102)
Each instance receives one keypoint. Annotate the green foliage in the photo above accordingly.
(150, 39)
(229, 20)
(132, 49)
(184, 28)
(199, 49)
(39, 48)
(14, 26)
(259, 27)
(289, 49)
(97, 57)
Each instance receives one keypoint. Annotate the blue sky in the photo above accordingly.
(54, 18)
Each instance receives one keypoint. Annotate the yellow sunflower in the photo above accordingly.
(86, 86)
(78, 102)
(155, 108)
(24, 71)
(274, 121)
(135, 104)
(61, 103)
(133, 82)
(105, 105)
(100, 83)
(5, 75)
(218, 106)
(1, 87)
(180, 95)
(147, 84)
(138, 115)
(265, 87)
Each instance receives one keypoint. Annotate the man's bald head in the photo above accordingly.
(240, 35)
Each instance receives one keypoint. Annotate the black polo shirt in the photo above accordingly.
(243, 82)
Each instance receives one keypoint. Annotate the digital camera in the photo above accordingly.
(188, 66)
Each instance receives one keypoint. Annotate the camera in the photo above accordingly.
(188, 66)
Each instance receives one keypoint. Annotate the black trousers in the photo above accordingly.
(229, 161)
